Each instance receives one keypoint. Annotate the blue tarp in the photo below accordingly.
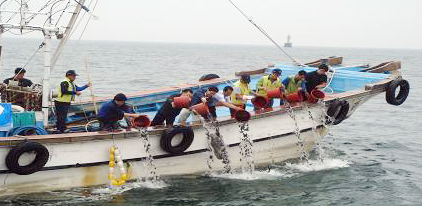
(5, 116)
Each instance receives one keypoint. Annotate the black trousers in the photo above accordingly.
(61, 114)
(107, 124)
(165, 114)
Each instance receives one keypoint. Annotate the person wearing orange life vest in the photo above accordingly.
(66, 94)
(240, 92)
(269, 82)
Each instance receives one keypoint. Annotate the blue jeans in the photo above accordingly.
(61, 114)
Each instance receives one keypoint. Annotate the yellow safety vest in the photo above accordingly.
(266, 82)
(244, 90)
(66, 97)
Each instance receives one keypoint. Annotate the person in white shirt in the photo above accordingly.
(217, 99)
(222, 98)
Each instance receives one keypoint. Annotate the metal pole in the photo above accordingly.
(46, 78)
(1, 33)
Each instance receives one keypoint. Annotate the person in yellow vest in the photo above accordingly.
(66, 93)
(240, 92)
(269, 82)
(295, 83)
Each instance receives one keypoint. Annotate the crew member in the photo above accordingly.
(222, 98)
(296, 83)
(199, 96)
(317, 79)
(269, 82)
(241, 90)
(111, 112)
(168, 112)
(17, 98)
(66, 93)
(19, 74)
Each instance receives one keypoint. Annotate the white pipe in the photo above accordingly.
(1, 40)
(46, 78)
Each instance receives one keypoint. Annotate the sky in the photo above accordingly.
(327, 23)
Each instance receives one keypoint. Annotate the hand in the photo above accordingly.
(89, 84)
(239, 109)
(137, 115)
(204, 100)
(78, 93)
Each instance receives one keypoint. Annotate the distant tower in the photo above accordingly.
(288, 43)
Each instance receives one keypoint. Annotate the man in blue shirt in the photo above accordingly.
(111, 112)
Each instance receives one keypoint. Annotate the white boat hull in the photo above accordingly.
(85, 163)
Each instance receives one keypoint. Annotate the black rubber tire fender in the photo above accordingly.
(338, 110)
(41, 158)
(206, 77)
(390, 94)
(168, 136)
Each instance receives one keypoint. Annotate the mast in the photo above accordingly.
(49, 30)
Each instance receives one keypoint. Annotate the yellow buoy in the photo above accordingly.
(115, 156)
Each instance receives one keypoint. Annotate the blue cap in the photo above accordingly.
(71, 72)
(276, 71)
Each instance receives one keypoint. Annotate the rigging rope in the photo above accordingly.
(86, 25)
(266, 34)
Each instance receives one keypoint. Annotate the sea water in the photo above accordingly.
(372, 158)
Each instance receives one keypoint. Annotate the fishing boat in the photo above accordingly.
(34, 160)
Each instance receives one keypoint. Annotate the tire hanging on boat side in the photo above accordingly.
(168, 136)
(390, 93)
(41, 158)
(337, 110)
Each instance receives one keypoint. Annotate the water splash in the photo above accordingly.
(149, 162)
(301, 142)
(318, 138)
(216, 145)
(257, 175)
(79, 196)
(316, 165)
(246, 149)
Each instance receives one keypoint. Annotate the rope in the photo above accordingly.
(329, 82)
(266, 35)
(22, 130)
(86, 25)
(61, 15)
(33, 55)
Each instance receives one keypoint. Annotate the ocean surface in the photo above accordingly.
(372, 158)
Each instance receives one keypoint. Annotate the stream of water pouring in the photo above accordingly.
(301, 142)
(318, 138)
(216, 146)
(246, 149)
(325, 120)
(149, 162)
